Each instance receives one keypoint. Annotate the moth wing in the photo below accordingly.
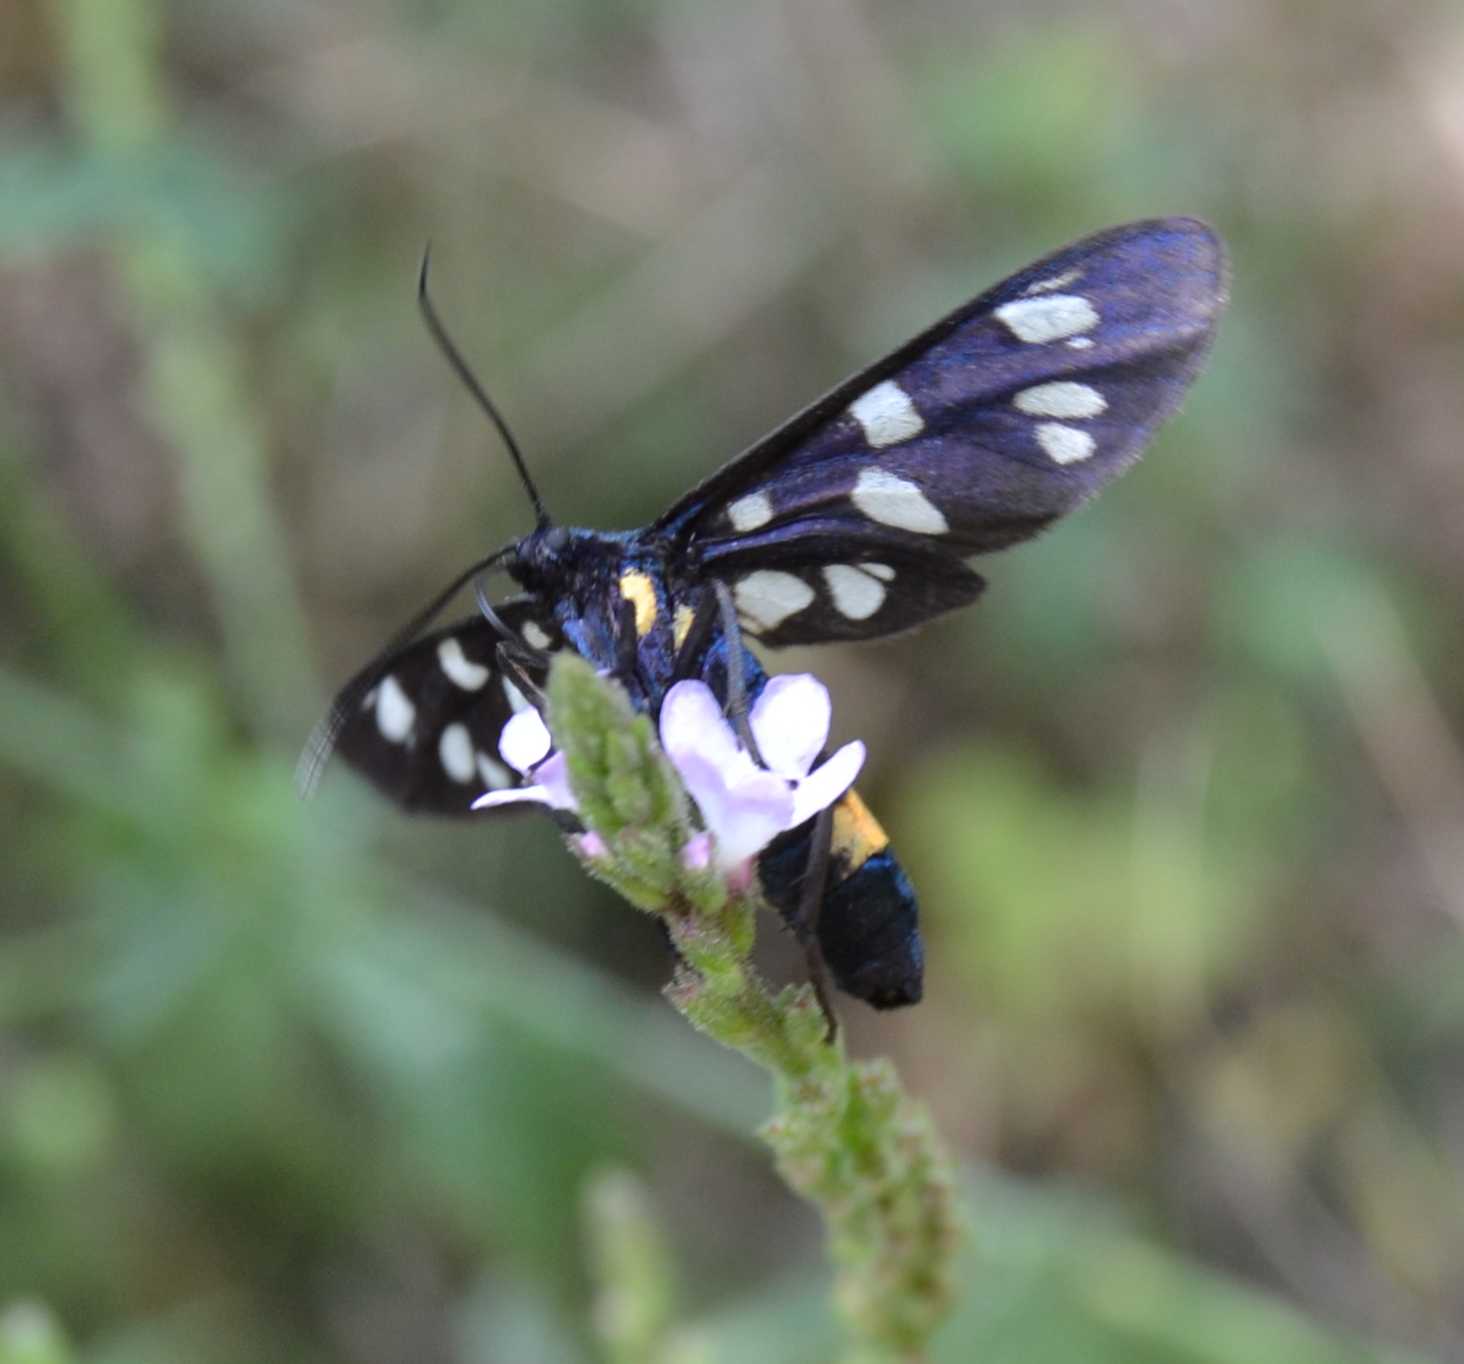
(422, 724)
(974, 435)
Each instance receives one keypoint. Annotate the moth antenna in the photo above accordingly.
(538, 657)
(460, 367)
(322, 741)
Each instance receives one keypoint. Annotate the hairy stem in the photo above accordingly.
(844, 1134)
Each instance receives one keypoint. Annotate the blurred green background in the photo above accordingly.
(1184, 797)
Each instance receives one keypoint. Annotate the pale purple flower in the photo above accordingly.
(527, 747)
(744, 806)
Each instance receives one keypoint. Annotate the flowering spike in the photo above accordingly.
(845, 1136)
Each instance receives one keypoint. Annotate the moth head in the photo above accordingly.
(540, 556)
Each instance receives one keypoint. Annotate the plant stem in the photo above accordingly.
(845, 1135)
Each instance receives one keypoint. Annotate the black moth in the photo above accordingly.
(849, 522)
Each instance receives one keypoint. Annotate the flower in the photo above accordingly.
(527, 747)
(744, 806)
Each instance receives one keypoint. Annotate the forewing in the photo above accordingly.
(423, 724)
(974, 435)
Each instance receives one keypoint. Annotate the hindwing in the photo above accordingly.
(422, 724)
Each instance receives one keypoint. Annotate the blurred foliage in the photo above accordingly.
(1185, 797)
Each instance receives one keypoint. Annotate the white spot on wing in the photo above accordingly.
(767, 598)
(887, 415)
(857, 595)
(460, 669)
(882, 571)
(455, 748)
(1065, 444)
(494, 774)
(395, 714)
(1080, 343)
(1061, 399)
(894, 501)
(750, 512)
(1046, 286)
(535, 635)
(1049, 317)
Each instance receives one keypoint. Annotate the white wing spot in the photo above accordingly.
(750, 512)
(1049, 317)
(395, 714)
(455, 748)
(1061, 399)
(494, 774)
(1065, 444)
(535, 635)
(460, 669)
(887, 415)
(1080, 343)
(767, 598)
(1046, 286)
(857, 595)
(882, 571)
(894, 501)
(516, 699)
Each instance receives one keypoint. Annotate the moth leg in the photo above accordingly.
(625, 640)
(534, 658)
(736, 682)
(513, 665)
(696, 640)
(810, 903)
(526, 660)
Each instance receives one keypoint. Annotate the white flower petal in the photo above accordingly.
(520, 795)
(553, 777)
(551, 789)
(790, 721)
(692, 723)
(744, 816)
(827, 783)
(525, 740)
(752, 820)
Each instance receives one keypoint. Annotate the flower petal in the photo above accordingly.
(552, 788)
(525, 740)
(519, 795)
(553, 779)
(823, 786)
(790, 721)
(692, 722)
(744, 816)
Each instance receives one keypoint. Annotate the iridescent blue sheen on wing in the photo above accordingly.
(974, 435)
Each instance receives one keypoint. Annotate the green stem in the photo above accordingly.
(844, 1133)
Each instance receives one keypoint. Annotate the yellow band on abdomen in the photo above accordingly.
(857, 833)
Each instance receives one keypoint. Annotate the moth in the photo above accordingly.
(852, 521)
